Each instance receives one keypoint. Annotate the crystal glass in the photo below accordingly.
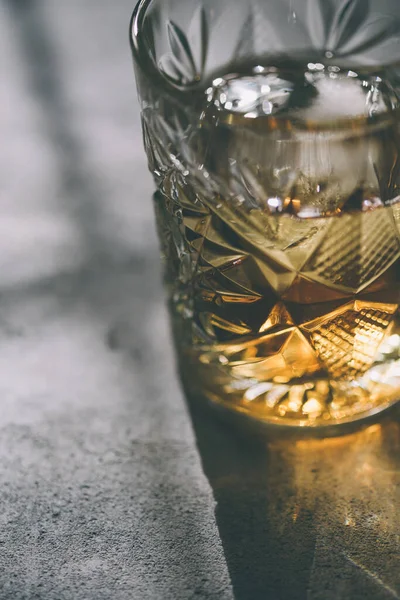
(272, 132)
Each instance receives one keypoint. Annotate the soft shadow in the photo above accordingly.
(268, 554)
(306, 518)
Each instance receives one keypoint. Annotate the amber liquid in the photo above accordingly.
(285, 293)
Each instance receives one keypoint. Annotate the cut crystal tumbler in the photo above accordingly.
(272, 130)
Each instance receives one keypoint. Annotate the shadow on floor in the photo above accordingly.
(256, 500)
(302, 519)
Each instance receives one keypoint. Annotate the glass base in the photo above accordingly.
(315, 403)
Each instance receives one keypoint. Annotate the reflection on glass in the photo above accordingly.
(272, 130)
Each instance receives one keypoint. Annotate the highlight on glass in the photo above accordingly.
(272, 129)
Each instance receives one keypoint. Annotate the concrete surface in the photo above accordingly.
(110, 487)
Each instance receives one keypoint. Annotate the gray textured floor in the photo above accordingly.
(110, 488)
(102, 493)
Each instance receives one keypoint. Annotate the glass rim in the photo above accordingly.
(136, 23)
(141, 54)
(146, 63)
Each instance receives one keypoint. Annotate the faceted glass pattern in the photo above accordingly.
(278, 206)
(276, 341)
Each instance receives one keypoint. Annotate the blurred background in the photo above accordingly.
(110, 487)
(72, 164)
(102, 494)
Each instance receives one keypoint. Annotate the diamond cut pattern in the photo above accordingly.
(347, 340)
(368, 247)
(271, 299)
(258, 321)
(279, 306)
(225, 271)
